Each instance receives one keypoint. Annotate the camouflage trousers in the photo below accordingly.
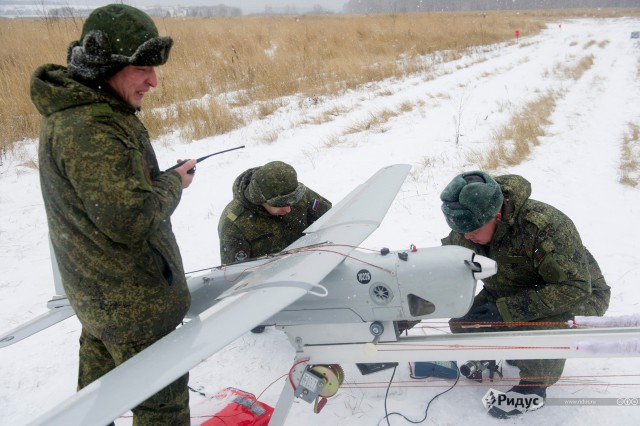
(170, 406)
(546, 371)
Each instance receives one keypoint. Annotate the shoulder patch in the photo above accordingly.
(232, 216)
(101, 109)
(234, 211)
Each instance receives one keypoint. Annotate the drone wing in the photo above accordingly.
(50, 317)
(271, 288)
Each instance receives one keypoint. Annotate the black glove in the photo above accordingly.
(487, 312)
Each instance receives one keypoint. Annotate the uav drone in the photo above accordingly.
(335, 302)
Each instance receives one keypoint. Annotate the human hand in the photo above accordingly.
(183, 171)
(487, 312)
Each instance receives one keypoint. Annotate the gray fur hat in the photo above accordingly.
(113, 37)
(470, 201)
(275, 183)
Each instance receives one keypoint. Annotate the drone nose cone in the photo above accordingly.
(488, 267)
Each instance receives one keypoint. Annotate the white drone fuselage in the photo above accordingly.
(436, 282)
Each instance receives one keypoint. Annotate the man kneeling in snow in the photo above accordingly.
(545, 274)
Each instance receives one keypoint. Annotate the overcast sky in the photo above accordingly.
(247, 6)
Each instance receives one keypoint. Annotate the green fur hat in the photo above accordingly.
(275, 183)
(113, 37)
(470, 201)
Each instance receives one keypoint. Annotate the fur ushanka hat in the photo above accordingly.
(113, 37)
(470, 201)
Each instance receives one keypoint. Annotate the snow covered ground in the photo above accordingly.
(575, 168)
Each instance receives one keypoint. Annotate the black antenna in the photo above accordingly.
(191, 171)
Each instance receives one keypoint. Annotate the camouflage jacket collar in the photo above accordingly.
(516, 191)
(52, 90)
(239, 187)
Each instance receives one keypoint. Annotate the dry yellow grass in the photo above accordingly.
(256, 60)
(576, 71)
(630, 157)
(514, 141)
(374, 122)
(26, 45)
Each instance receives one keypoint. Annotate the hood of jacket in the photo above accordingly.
(239, 187)
(516, 191)
(52, 90)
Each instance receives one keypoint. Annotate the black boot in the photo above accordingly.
(259, 329)
(523, 388)
(528, 388)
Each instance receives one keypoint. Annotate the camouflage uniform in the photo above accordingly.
(544, 271)
(247, 230)
(108, 208)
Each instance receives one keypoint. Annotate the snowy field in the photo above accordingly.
(575, 168)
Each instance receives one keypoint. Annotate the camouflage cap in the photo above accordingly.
(113, 37)
(470, 201)
(275, 183)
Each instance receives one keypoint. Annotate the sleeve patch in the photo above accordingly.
(240, 256)
(551, 271)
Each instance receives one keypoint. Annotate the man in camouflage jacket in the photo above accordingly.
(108, 204)
(269, 211)
(545, 274)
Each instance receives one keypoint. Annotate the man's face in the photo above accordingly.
(483, 235)
(133, 82)
(276, 211)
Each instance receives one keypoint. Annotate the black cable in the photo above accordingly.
(386, 415)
